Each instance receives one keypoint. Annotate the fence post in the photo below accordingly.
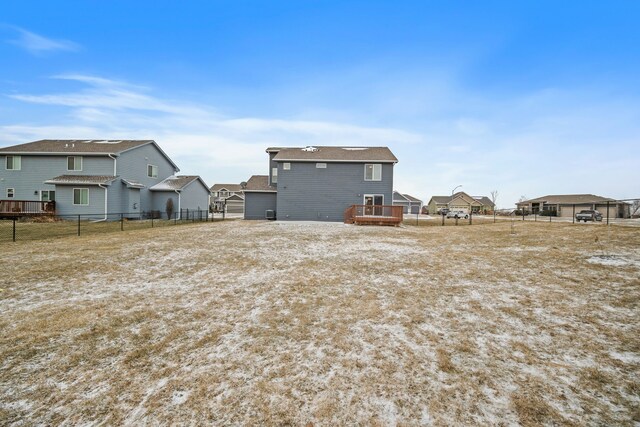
(151, 220)
(14, 229)
(535, 216)
(523, 214)
(607, 213)
(442, 219)
(78, 225)
(175, 217)
(494, 214)
(121, 222)
(470, 217)
(456, 219)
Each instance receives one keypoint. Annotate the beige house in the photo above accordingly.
(460, 201)
(229, 197)
(566, 205)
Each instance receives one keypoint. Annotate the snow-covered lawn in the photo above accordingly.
(293, 323)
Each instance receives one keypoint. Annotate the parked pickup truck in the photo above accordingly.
(588, 215)
(457, 214)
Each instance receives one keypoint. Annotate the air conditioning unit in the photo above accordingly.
(270, 214)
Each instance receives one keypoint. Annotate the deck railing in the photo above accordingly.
(26, 207)
(373, 214)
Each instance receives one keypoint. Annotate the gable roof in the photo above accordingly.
(440, 199)
(179, 182)
(82, 180)
(228, 187)
(484, 200)
(82, 147)
(76, 146)
(131, 183)
(398, 197)
(411, 198)
(333, 154)
(569, 199)
(259, 184)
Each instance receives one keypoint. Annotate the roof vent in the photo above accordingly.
(310, 149)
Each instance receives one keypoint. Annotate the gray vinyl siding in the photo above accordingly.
(132, 165)
(65, 206)
(255, 204)
(195, 196)
(306, 193)
(36, 170)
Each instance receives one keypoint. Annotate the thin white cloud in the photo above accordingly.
(201, 140)
(38, 45)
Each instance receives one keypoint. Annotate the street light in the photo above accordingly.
(452, 191)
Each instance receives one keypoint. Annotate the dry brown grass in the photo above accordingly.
(291, 324)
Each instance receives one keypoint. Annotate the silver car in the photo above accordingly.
(457, 214)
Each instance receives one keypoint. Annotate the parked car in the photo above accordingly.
(588, 215)
(443, 211)
(457, 214)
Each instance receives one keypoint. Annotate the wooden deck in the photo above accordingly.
(20, 208)
(373, 215)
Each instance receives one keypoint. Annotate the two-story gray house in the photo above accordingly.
(96, 177)
(319, 183)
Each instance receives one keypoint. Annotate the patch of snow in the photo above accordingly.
(179, 397)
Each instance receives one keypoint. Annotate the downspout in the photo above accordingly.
(105, 202)
(114, 163)
(179, 209)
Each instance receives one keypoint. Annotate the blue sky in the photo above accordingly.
(527, 98)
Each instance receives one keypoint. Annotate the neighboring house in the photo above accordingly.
(320, 183)
(87, 177)
(229, 197)
(410, 204)
(189, 194)
(460, 201)
(565, 205)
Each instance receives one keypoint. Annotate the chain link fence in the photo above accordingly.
(48, 227)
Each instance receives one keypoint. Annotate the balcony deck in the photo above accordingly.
(373, 215)
(20, 208)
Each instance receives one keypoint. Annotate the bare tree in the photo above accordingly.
(494, 197)
(169, 208)
(522, 198)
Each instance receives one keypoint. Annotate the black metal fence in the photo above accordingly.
(619, 212)
(48, 227)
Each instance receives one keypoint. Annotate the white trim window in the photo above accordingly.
(321, 165)
(13, 163)
(47, 195)
(11, 192)
(274, 175)
(286, 166)
(152, 171)
(74, 163)
(81, 196)
(373, 172)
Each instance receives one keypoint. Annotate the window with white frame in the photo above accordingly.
(13, 163)
(274, 175)
(373, 172)
(74, 163)
(10, 193)
(81, 196)
(321, 165)
(47, 195)
(286, 166)
(152, 171)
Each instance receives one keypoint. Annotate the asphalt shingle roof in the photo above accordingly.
(82, 179)
(174, 183)
(570, 199)
(229, 187)
(334, 154)
(90, 146)
(259, 183)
